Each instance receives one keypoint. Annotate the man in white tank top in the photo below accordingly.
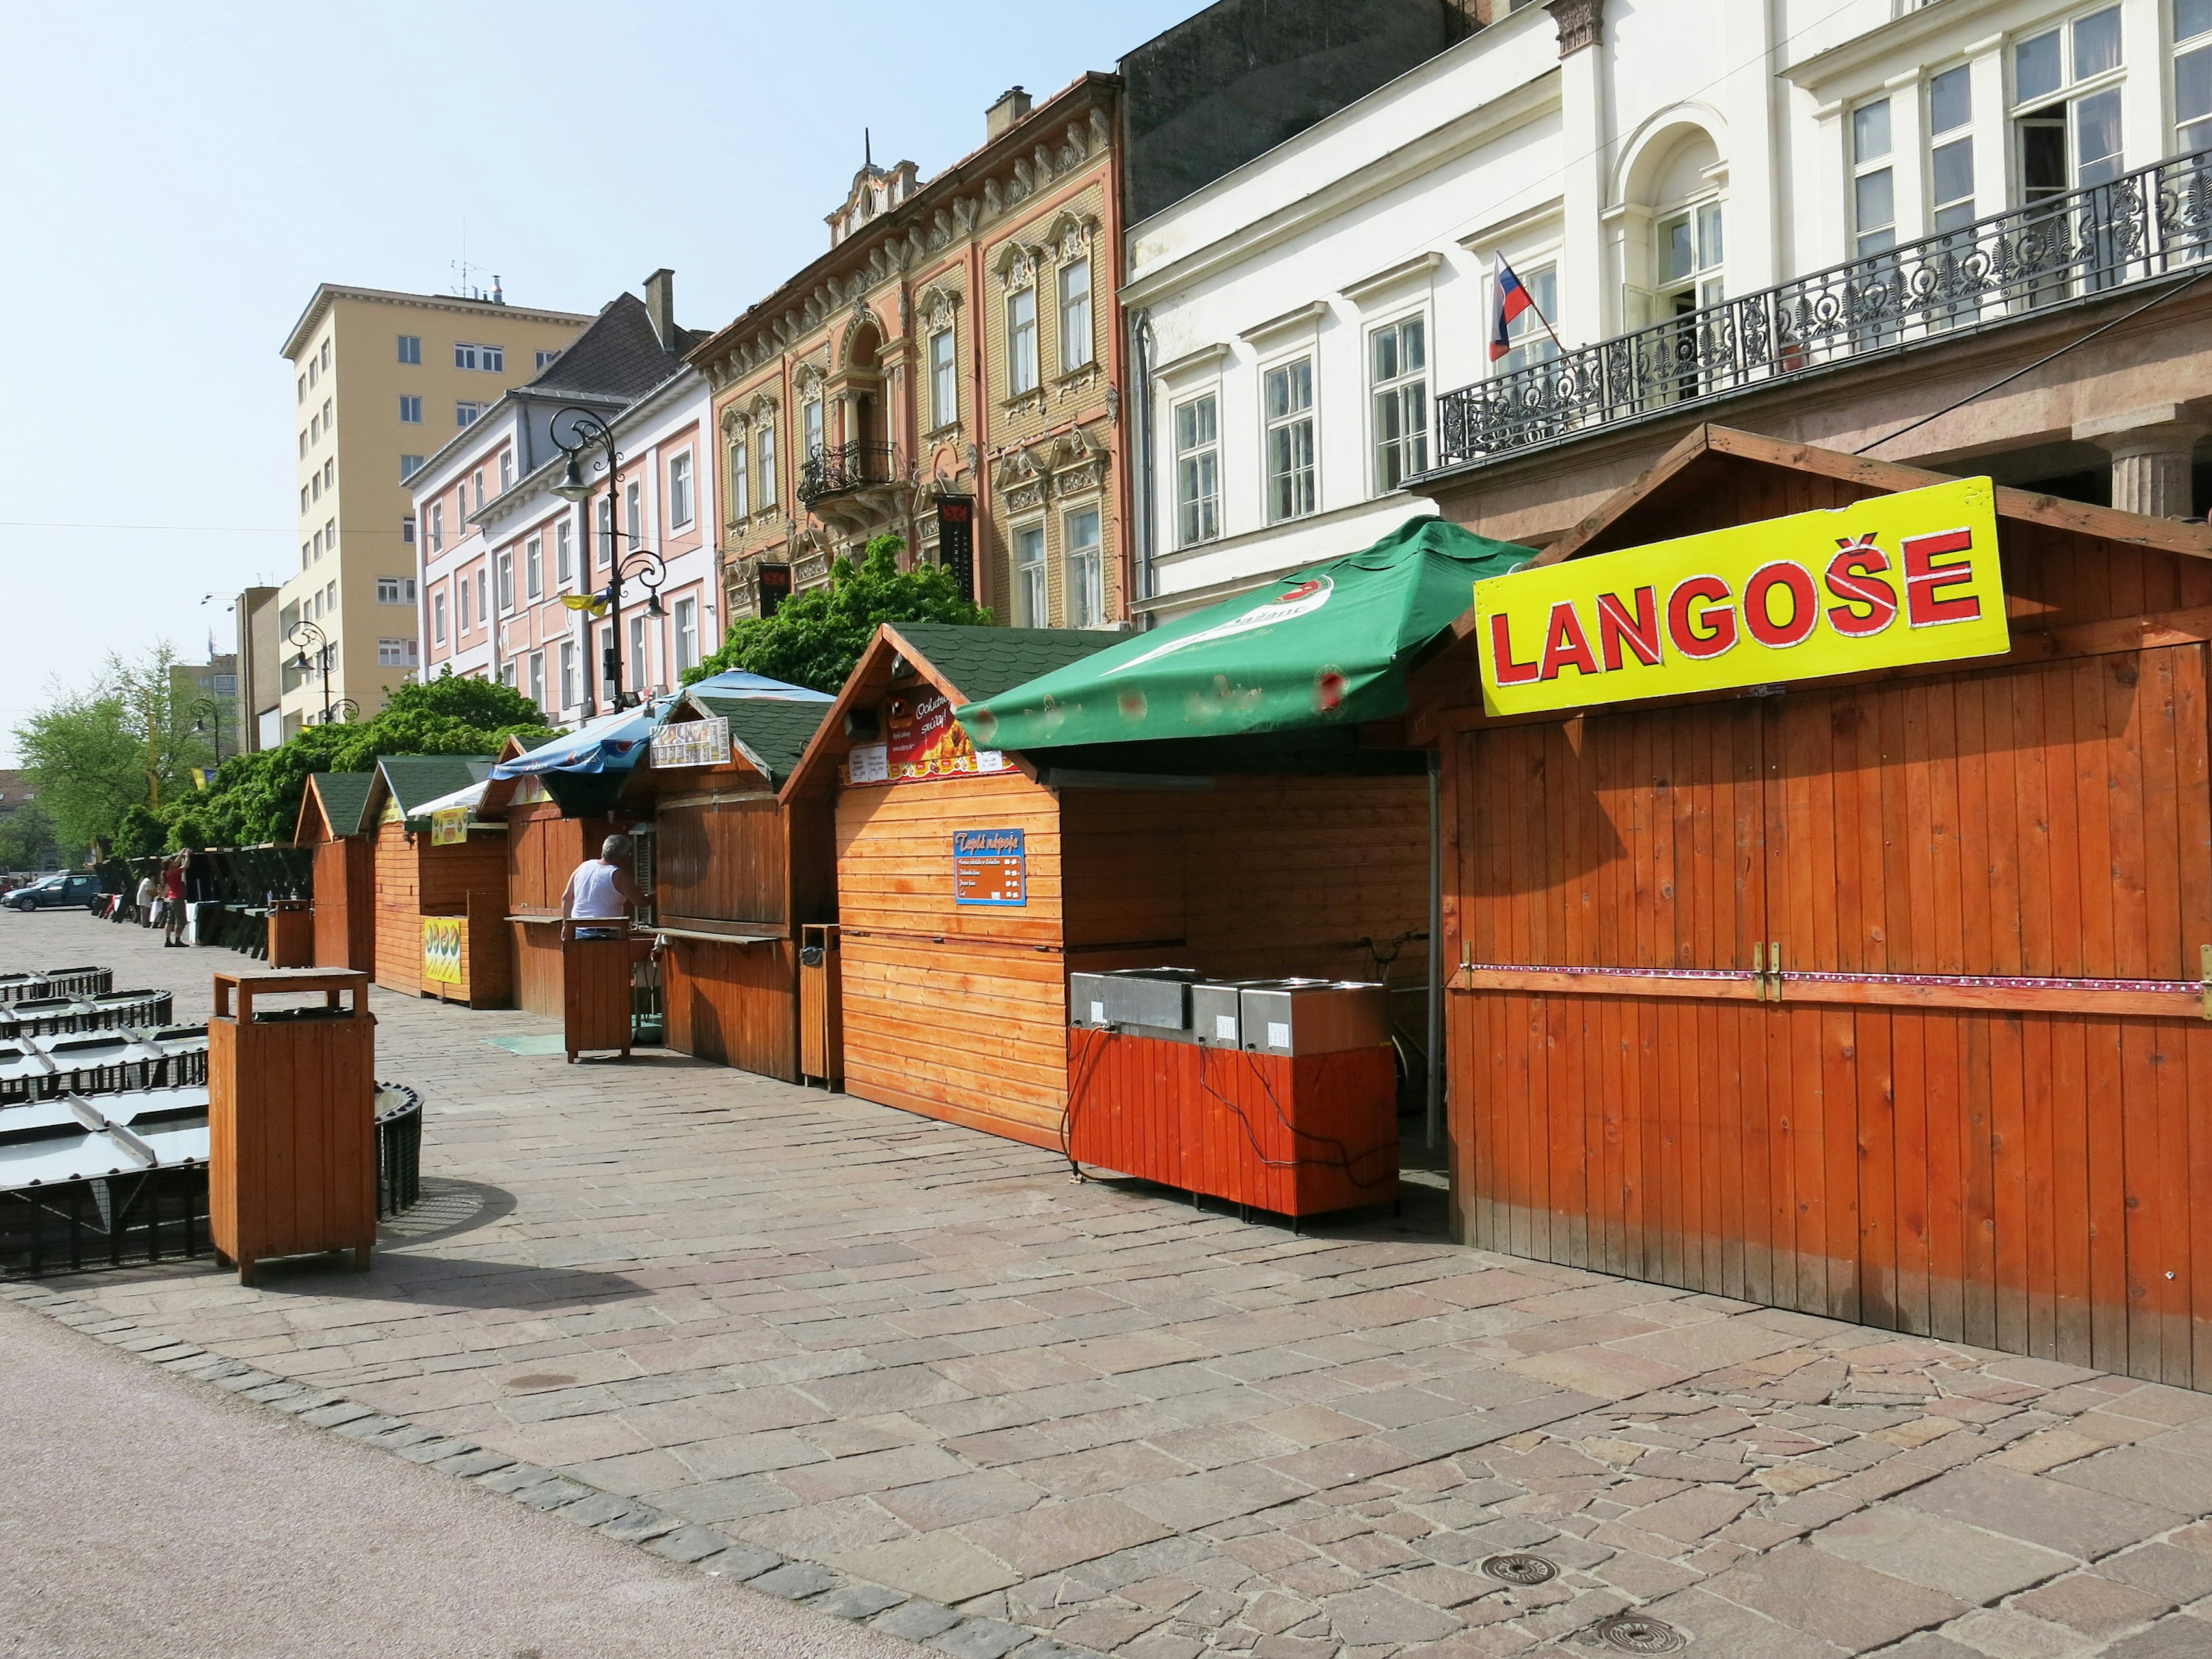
(601, 891)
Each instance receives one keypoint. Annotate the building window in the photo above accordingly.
(2192, 75)
(545, 359)
(464, 414)
(1951, 145)
(606, 529)
(1397, 358)
(303, 445)
(480, 489)
(537, 679)
(329, 419)
(1289, 417)
(314, 429)
(410, 411)
(639, 668)
(1690, 255)
(409, 466)
(633, 513)
(325, 357)
(303, 498)
(437, 526)
(767, 446)
(507, 675)
(568, 673)
(506, 583)
(318, 544)
(302, 398)
(437, 618)
(1528, 341)
(533, 567)
(395, 590)
(480, 357)
(810, 417)
(740, 481)
(1021, 341)
(1075, 316)
(564, 553)
(483, 610)
(1086, 575)
(411, 348)
(315, 486)
(461, 605)
(687, 634)
(330, 536)
(310, 372)
(2067, 143)
(1197, 470)
(331, 473)
(679, 491)
(395, 654)
(407, 530)
(305, 558)
(1873, 183)
(505, 470)
(945, 376)
(1030, 603)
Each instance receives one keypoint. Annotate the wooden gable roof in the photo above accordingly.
(331, 806)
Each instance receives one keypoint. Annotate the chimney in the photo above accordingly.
(1013, 104)
(660, 305)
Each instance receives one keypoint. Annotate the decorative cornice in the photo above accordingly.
(1581, 23)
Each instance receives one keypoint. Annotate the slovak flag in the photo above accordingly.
(1512, 300)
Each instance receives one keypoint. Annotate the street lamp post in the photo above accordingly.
(207, 722)
(306, 636)
(639, 565)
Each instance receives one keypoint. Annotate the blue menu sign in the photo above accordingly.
(989, 866)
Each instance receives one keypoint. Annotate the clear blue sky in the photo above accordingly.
(175, 179)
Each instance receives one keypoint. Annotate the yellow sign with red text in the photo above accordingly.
(1893, 580)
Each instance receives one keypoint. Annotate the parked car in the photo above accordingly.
(56, 893)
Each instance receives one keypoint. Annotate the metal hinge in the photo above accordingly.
(2206, 959)
(1767, 971)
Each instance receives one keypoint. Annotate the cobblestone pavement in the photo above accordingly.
(927, 1360)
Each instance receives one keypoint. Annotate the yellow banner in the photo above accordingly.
(1910, 578)
(449, 827)
(445, 940)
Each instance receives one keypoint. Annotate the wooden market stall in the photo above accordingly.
(970, 884)
(440, 891)
(1880, 988)
(547, 837)
(332, 822)
(738, 874)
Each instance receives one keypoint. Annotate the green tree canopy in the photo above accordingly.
(815, 638)
(95, 753)
(28, 840)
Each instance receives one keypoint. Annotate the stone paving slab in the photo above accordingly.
(919, 1376)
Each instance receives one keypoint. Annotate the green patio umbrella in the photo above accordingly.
(1326, 646)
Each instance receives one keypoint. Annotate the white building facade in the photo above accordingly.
(1641, 169)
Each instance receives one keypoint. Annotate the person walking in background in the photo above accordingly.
(172, 901)
(145, 899)
(601, 889)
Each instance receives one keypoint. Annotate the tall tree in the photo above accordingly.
(96, 752)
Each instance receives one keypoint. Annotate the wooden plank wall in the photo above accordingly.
(735, 1005)
(543, 850)
(345, 903)
(2026, 1180)
(962, 1012)
(415, 880)
(725, 862)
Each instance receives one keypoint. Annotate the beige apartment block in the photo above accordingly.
(380, 381)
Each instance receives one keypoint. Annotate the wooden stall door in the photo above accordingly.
(345, 901)
(1959, 1108)
(1630, 843)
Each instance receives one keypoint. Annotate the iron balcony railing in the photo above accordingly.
(832, 470)
(2153, 222)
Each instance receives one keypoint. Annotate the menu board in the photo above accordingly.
(989, 866)
(692, 743)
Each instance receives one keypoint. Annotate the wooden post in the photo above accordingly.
(821, 1005)
(291, 1116)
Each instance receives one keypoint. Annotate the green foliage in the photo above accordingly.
(28, 840)
(126, 742)
(816, 637)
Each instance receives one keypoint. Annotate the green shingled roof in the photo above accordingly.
(983, 662)
(343, 794)
(413, 780)
(772, 733)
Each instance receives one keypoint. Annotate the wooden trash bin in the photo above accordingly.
(596, 1012)
(291, 934)
(821, 1007)
(291, 1111)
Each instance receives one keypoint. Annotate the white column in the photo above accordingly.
(1751, 222)
(1585, 141)
(2153, 452)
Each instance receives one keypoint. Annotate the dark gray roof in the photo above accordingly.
(618, 356)
(982, 661)
(343, 794)
(772, 731)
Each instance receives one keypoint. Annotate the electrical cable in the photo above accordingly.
(2155, 299)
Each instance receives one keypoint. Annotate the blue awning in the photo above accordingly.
(614, 743)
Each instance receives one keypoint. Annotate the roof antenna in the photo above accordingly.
(868, 149)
